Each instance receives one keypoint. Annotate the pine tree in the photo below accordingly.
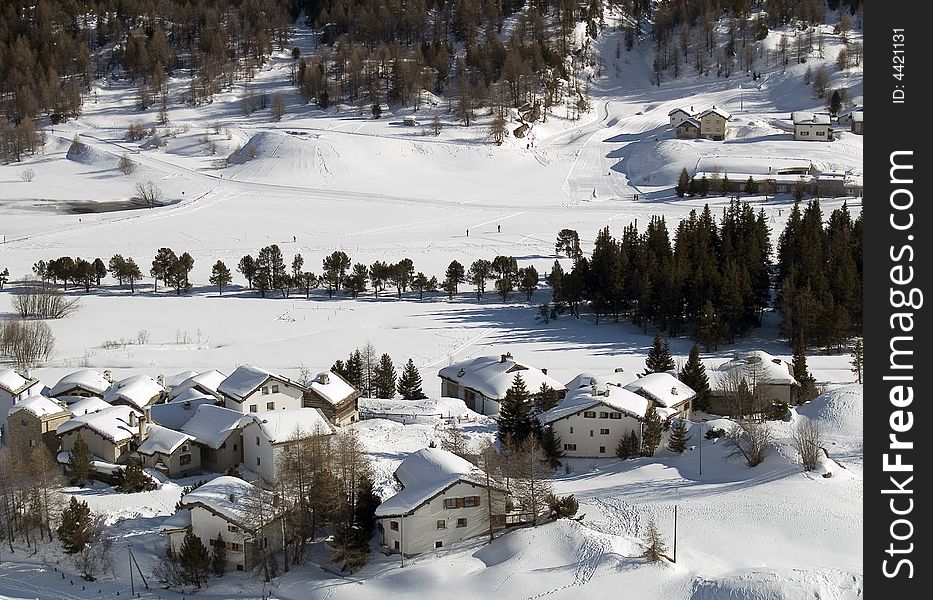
(709, 327)
(454, 276)
(677, 440)
(194, 560)
(131, 479)
(802, 374)
(651, 435)
(546, 398)
(354, 370)
(384, 378)
(683, 183)
(74, 531)
(220, 276)
(751, 186)
(654, 543)
(219, 556)
(409, 384)
(659, 357)
(367, 501)
(628, 446)
(516, 423)
(694, 376)
(79, 466)
(552, 447)
(857, 359)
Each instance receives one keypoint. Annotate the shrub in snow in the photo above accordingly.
(715, 432)
(654, 543)
(562, 507)
(808, 441)
(133, 479)
(751, 441)
(628, 446)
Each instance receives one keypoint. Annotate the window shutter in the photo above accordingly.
(460, 503)
(475, 500)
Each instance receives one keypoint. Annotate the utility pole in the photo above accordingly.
(401, 539)
(700, 448)
(675, 534)
(129, 563)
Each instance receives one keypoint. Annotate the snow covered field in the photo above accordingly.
(324, 181)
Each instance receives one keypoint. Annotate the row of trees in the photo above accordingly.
(377, 378)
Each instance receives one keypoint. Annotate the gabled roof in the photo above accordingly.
(86, 379)
(39, 406)
(112, 423)
(85, 406)
(426, 473)
(212, 425)
(857, 116)
(600, 382)
(176, 413)
(663, 388)
(333, 388)
(280, 426)
(691, 122)
(725, 114)
(677, 110)
(137, 390)
(181, 520)
(612, 396)
(234, 500)
(172, 381)
(207, 381)
(162, 440)
(808, 118)
(492, 376)
(767, 368)
(15, 384)
(246, 380)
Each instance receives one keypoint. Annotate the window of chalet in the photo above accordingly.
(265, 390)
(275, 389)
(571, 430)
(233, 529)
(602, 449)
(591, 433)
(603, 432)
(257, 440)
(393, 525)
(462, 522)
(270, 405)
(450, 502)
(615, 415)
(184, 447)
(570, 446)
(253, 408)
(258, 461)
(471, 501)
(235, 546)
(441, 524)
(603, 415)
(184, 459)
(590, 414)
(438, 544)
(396, 544)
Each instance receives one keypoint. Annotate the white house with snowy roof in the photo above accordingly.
(591, 420)
(270, 432)
(246, 517)
(672, 398)
(138, 391)
(251, 389)
(811, 127)
(170, 452)
(714, 123)
(78, 405)
(110, 433)
(443, 499)
(84, 383)
(769, 378)
(32, 422)
(335, 397)
(218, 431)
(205, 383)
(482, 382)
(679, 115)
(13, 388)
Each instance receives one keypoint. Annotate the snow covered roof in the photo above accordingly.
(13, 383)
(663, 388)
(677, 110)
(208, 381)
(86, 379)
(85, 406)
(492, 376)
(233, 499)
(600, 382)
(690, 121)
(332, 387)
(771, 369)
(612, 396)
(39, 406)
(808, 118)
(137, 390)
(112, 423)
(279, 426)
(175, 414)
(725, 114)
(246, 380)
(212, 425)
(174, 380)
(423, 475)
(180, 520)
(857, 116)
(162, 440)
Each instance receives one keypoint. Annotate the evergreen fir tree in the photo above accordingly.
(628, 446)
(651, 434)
(677, 441)
(654, 543)
(709, 327)
(694, 376)
(857, 359)
(367, 501)
(659, 357)
(384, 377)
(546, 398)
(683, 183)
(751, 186)
(131, 479)
(516, 422)
(552, 447)
(219, 556)
(74, 530)
(354, 369)
(194, 560)
(409, 384)
(79, 465)
(802, 374)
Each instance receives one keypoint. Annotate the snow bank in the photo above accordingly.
(784, 584)
(838, 411)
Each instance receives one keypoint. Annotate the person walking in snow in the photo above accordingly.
(499, 228)
(468, 233)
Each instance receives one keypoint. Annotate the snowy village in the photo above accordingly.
(515, 299)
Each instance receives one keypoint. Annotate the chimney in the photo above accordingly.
(187, 404)
(143, 430)
(502, 358)
(108, 376)
(673, 391)
(324, 379)
(161, 380)
(132, 419)
(544, 371)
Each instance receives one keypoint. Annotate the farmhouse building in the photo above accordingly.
(138, 391)
(590, 421)
(14, 388)
(32, 422)
(679, 115)
(110, 433)
(251, 389)
(714, 123)
(688, 129)
(270, 433)
(768, 378)
(170, 452)
(334, 397)
(84, 383)
(443, 499)
(203, 383)
(482, 382)
(218, 432)
(671, 397)
(811, 127)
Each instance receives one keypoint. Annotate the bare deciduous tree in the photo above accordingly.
(751, 441)
(808, 441)
(148, 192)
(42, 300)
(126, 164)
(27, 175)
(27, 343)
